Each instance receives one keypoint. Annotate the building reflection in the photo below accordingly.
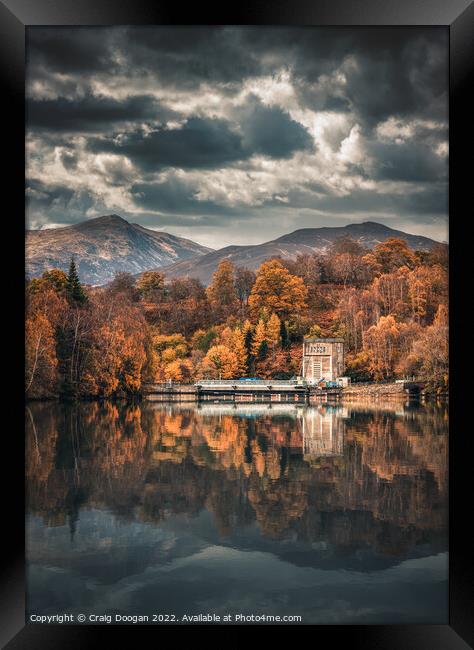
(323, 432)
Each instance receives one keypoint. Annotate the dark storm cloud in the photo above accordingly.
(181, 56)
(241, 123)
(71, 50)
(188, 56)
(91, 113)
(271, 132)
(381, 88)
(392, 59)
(177, 197)
(56, 203)
(432, 201)
(395, 72)
(211, 143)
(201, 143)
(45, 195)
(411, 161)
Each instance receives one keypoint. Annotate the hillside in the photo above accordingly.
(103, 246)
(307, 240)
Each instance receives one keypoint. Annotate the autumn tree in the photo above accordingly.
(124, 284)
(347, 245)
(390, 255)
(356, 312)
(247, 332)
(225, 337)
(439, 255)
(151, 286)
(358, 366)
(45, 310)
(381, 342)
(306, 266)
(220, 363)
(221, 292)
(163, 341)
(180, 370)
(260, 340)
(344, 262)
(113, 349)
(244, 281)
(186, 308)
(277, 365)
(237, 345)
(391, 292)
(203, 339)
(278, 291)
(315, 331)
(427, 288)
(40, 356)
(429, 356)
(180, 289)
(273, 332)
(55, 279)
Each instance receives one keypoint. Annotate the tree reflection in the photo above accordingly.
(350, 476)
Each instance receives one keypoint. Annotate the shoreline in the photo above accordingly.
(374, 391)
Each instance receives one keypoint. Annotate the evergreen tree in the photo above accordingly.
(283, 334)
(74, 290)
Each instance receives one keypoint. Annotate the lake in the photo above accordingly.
(335, 514)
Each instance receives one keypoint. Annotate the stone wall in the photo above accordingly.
(374, 391)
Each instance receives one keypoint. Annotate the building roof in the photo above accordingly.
(314, 339)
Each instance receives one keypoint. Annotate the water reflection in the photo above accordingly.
(336, 513)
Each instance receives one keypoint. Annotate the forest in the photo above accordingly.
(390, 304)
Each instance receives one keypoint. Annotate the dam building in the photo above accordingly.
(323, 359)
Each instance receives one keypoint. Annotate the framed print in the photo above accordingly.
(236, 321)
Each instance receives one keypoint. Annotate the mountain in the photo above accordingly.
(103, 246)
(306, 240)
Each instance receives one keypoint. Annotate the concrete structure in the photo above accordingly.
(323, 359)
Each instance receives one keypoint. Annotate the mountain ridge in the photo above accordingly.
(290, 245)
(108, 244)
(103, 246)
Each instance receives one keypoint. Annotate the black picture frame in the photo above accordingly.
(458, 16)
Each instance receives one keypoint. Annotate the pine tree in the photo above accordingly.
(283, 334)
(74, 290)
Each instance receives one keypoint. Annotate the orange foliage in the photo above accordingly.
(278, 291)
(220, 363)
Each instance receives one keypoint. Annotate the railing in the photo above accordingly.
(254, 382)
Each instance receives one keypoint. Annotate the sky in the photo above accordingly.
(237, 135)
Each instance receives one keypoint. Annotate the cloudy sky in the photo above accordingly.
(238, 135)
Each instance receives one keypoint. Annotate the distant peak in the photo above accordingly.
(105, 221)
(109, 218)
(374, 225)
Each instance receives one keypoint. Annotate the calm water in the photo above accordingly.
(338, 514)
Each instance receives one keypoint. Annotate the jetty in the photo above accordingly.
(244, 390)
